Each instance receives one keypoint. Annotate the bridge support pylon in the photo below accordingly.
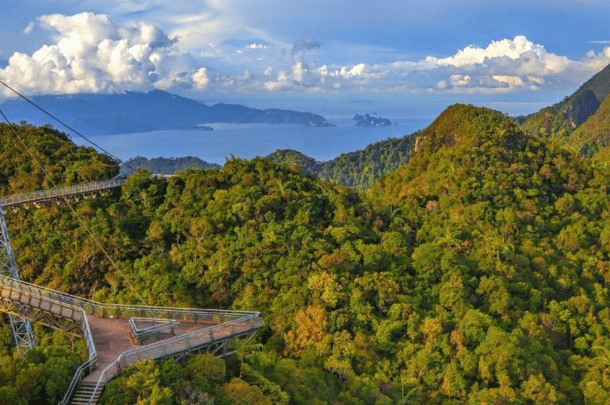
(22, 329)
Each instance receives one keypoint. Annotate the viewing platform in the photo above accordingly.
(120, 335)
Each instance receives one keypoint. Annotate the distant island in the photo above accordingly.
(108, 114)
(368, 121)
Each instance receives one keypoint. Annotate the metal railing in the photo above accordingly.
(103, 310)
(187, 342)
(85, 368)
(22, 292)
(42, 195)
(226, 324)
(142, 334)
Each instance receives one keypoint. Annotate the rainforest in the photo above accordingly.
(475, 273)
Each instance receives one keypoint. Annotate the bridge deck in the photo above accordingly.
(112, 337)
(60, 192)
(109, 336)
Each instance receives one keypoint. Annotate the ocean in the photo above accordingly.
(251, 140)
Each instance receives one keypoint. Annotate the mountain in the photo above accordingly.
(593, 136)
(359, 169)
(290, 157)
(476, 273)
(561, 119)
(501, 222)
(160, 165)
(102, 114)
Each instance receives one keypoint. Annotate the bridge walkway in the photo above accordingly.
(112, 337)
(119, 335)
(81, 190)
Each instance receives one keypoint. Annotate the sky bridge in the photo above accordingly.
(120, 335)
(89, 190)
(116, 335)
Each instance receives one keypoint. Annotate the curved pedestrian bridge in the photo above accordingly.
(120, 335)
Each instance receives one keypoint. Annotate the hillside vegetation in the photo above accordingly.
(475, 273)
(359, 169)
(560, 120)
(594, 135)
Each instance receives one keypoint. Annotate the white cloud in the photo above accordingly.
(356, 70)
(200, 78)
(256, 46)
(91, 53)
(472, 54)
(512, 81)
(500, 67)
(281, 82)
(518, 56)
(459, 80)
(309, 78)
(505, 65)
(28, 30)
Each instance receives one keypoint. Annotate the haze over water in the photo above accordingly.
(251, 140)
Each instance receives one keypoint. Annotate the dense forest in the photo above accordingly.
(359, 169)
(164, 165)
(475, 273)
(559, 121)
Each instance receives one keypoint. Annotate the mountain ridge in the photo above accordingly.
(475, 273)
(561, 119)
(106, 114)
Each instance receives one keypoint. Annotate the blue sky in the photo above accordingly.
(471, 50)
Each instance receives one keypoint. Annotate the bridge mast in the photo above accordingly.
(22, 330)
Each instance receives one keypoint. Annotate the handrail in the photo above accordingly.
(142, 334)
(91, 363)
(58, 192)
(158, 350)
(78, 377)
(186, 336)
(127, 311)
(221, 318)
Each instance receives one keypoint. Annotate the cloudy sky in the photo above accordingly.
(534, 50)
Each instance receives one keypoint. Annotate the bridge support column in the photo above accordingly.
(22, 329)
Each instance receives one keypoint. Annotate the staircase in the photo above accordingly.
(210, 330)
(84, 392)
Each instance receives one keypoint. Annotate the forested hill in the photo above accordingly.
(593, 137)
(65, 163)
(509, 263)
(165, 165)
(475, 273)
(359, 169)
(561, 119)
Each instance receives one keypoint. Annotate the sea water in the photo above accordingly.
(251, 140)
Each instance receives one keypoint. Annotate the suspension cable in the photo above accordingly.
(80, 220)
(118, 160)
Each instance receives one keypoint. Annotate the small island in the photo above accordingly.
(368, 121)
